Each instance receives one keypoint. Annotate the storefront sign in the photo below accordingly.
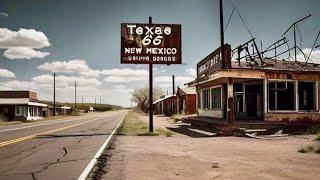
(150, 43)
(213, 62)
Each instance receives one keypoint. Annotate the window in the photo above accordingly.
(205, 99)
(216, 98)
(281, 95)
(199, 100)
(306, 92)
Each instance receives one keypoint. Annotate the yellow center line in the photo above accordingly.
(13, 141)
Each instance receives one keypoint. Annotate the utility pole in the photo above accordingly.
(75, 95)
(173, 86)
(100, 101)
(54, 94)
(222, 35)
(150, 92)
(295, 42)
(82, 100)
(95, 101)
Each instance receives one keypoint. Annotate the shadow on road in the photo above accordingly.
(194, 131)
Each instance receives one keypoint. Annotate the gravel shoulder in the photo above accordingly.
(187, 156)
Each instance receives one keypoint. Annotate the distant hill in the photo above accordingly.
(85, 106)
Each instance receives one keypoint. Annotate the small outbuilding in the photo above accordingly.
(186, 97)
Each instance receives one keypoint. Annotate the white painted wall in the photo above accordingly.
(211, 113)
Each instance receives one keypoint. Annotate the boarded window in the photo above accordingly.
(281, 96)
(205, 99)
(216, 98)
(307, 96)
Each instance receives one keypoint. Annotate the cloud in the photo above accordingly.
(6, 73)
(119, 87)
(168, 79)
(192, 72)
(23, 53)
(4, 14)
(17, 85)
(125, 72)
(315, 55)
(23, 38)
(21, 44)
(62, 81)
(122, 79)
(76, 66)
(125, 75)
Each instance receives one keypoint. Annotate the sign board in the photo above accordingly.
(150, 43)
(213, 62)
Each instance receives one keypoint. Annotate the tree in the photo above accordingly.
(141, 97)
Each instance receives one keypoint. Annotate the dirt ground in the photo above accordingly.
(196, 154)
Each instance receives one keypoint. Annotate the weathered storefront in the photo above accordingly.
(273, 90)
(20, 105)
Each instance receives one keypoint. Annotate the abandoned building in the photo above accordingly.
(257, 89)
(60, 110)
(183, 102)
(166, 105)
(186, 97)
(20, 105)
(24, 105)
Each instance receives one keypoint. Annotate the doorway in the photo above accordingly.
(254, 105)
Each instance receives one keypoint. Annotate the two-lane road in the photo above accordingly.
(57, 149)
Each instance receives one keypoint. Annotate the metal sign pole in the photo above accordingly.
(150, 92)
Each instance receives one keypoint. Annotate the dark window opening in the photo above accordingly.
(306, 92)
(216, 98)
(205, 99)
(281, 96)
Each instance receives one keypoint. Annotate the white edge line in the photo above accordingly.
(93, 161)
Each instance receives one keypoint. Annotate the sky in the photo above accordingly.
(80, 41)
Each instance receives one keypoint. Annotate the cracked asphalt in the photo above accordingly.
(62, 154)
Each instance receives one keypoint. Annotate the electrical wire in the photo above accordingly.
(314, 45)
(229, 19)
(241, 18)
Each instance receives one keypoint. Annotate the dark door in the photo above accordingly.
(251, 99)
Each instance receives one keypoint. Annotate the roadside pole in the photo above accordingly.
(54, 94)
(150, 92)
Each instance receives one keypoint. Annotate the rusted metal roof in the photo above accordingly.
(278, 65)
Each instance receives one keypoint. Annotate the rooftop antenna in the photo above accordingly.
(294, 34)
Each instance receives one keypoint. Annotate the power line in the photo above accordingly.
(229, 19)
(313, 46)
(241, 18)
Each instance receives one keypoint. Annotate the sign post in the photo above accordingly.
(150, 92)
(150, 44)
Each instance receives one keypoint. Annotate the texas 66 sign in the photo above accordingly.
(150, 43)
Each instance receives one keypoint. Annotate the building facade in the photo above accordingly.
(20, 105)
(270, 90)
(186, 100)
(166, 105)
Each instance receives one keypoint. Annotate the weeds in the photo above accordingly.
(318, 137)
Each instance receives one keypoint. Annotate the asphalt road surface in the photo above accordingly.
(55, 149)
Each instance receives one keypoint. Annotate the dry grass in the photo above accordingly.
(134, 126)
